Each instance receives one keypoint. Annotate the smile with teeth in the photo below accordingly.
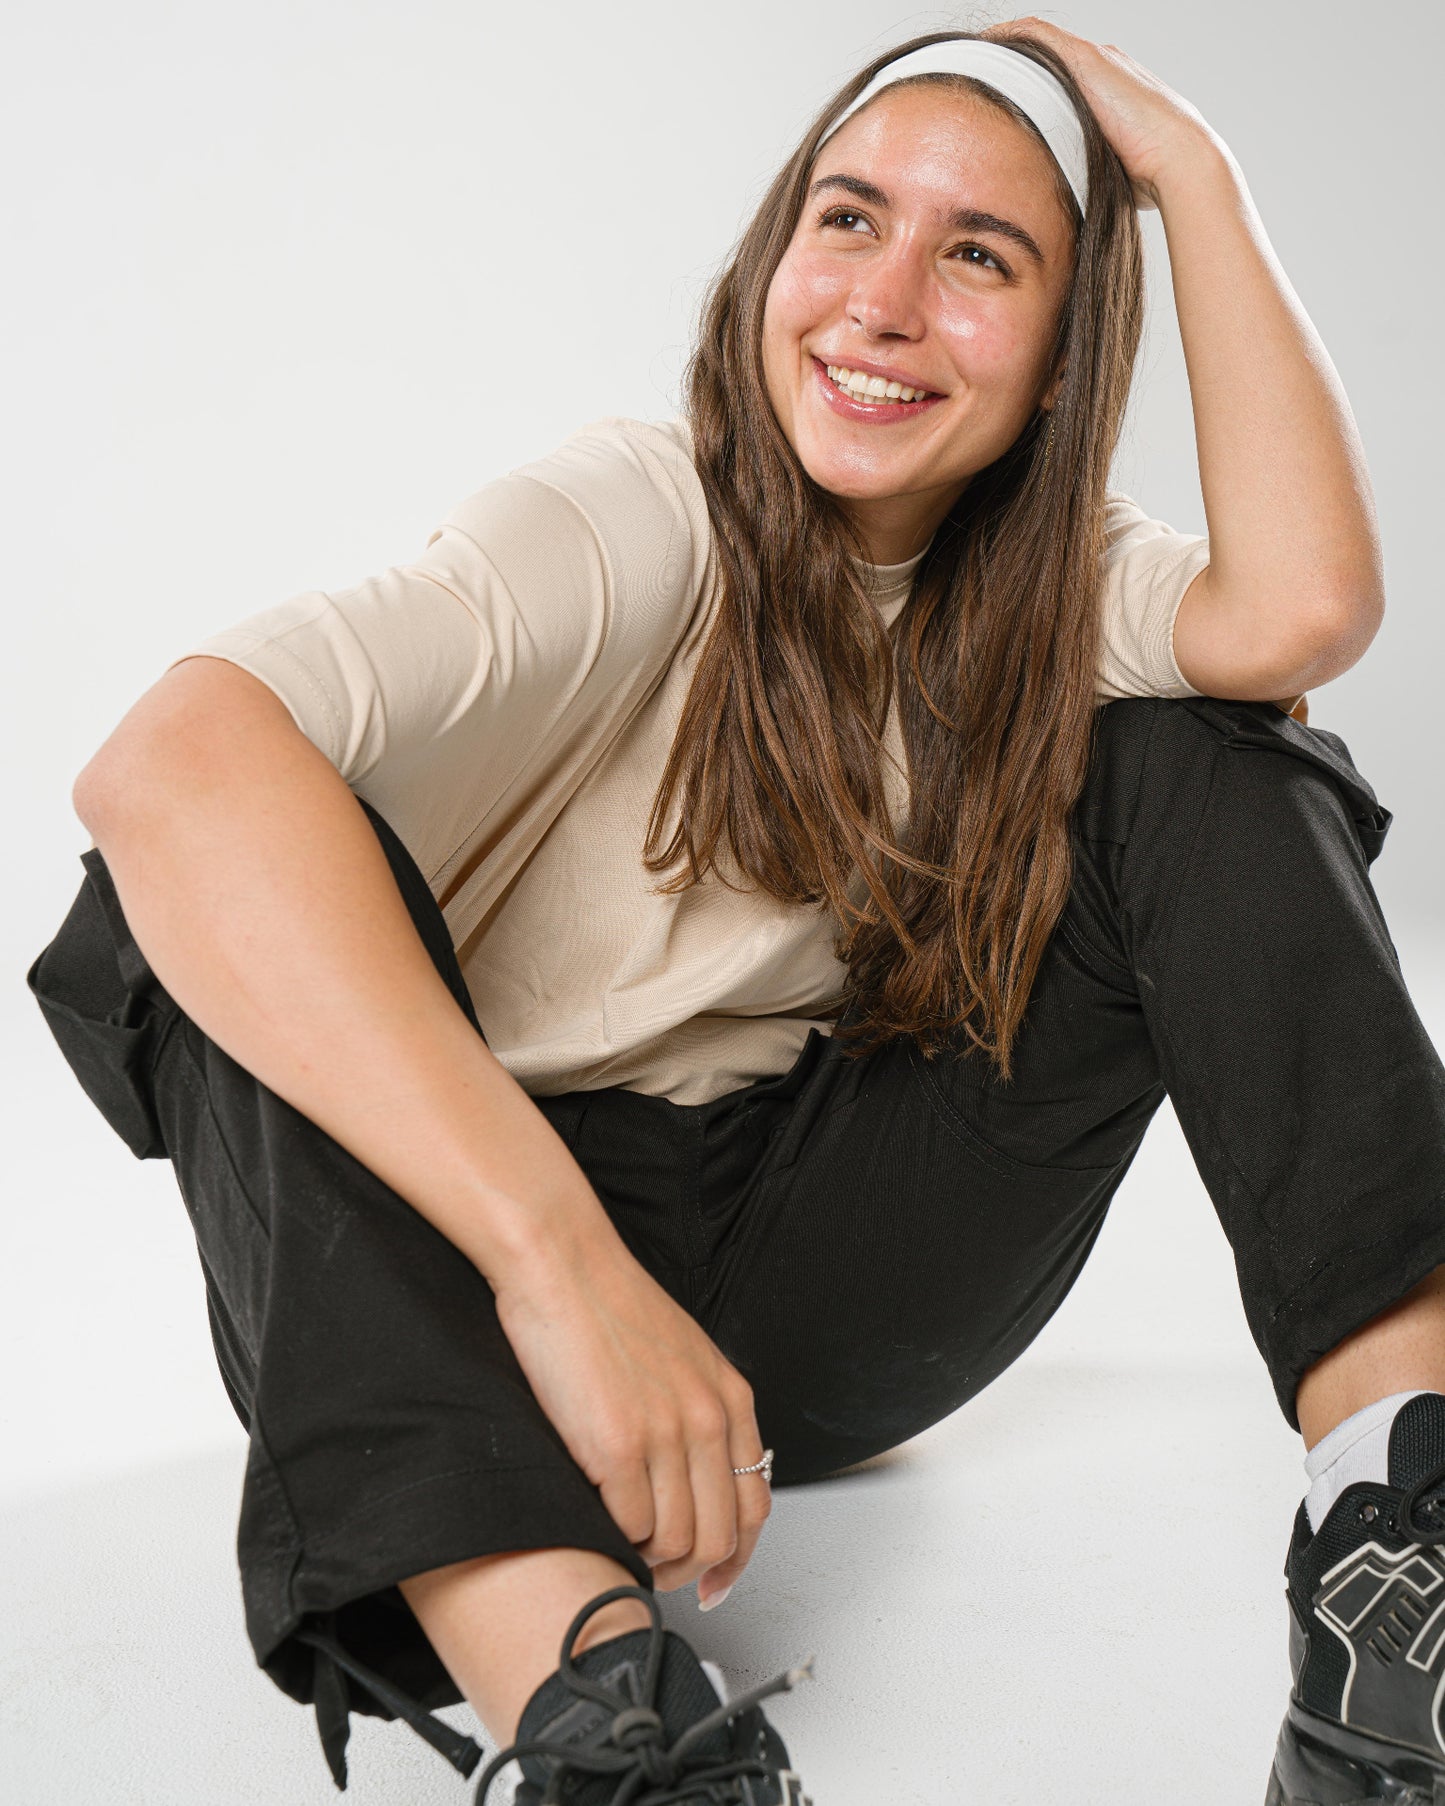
(858, 386)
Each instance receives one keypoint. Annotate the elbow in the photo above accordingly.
(1339, 635)
(1257, 642)
(118, 778)
(99, 794)
(90, 790)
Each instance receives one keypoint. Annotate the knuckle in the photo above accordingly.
(739, 1393)
(633, 1516)
(622, 1444)
(707, 1422)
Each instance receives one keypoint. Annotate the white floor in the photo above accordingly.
(1070, 1592)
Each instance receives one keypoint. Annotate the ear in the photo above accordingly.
(1051, 394)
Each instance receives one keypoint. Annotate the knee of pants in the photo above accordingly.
(109, 1014)
(1256, 763)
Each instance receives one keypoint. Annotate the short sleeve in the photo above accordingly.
(1147, 568)
(539, 615)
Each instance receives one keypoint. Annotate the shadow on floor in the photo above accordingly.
(1028, 1603)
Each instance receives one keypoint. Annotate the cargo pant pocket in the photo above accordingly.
(106, 1009)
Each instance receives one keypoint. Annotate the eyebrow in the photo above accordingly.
(962, 219)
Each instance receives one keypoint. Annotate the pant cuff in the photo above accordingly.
(352, 1570)
(1346, 1294)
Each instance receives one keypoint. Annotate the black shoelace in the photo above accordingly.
(638, 1757)
(649, 1771)
(333, 1708)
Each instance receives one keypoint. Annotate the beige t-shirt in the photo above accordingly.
(507, 702)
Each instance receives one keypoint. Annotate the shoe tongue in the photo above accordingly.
(559, 1714)
(1417, 1439)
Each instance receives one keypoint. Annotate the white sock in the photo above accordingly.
(1357, 1449)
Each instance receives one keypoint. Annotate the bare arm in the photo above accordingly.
(257, 890)
(262, 899)
(1294, 591)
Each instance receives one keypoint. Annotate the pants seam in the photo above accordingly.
(1160, 1027)
(195, 1079)
(1003, 1165)
(1086, 951)
(694, 1178)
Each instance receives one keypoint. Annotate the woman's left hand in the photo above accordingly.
(1145, 121)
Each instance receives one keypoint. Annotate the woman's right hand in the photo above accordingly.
(649, 1407)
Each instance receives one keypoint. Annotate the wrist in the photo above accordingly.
(1195, 160)
(552, 1246)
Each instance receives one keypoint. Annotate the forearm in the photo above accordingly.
(264, 903)
(1293, 536)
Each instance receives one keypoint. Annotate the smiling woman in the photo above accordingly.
(654, 995)
(960, 265)
(966, 269)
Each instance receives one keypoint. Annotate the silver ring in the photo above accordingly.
(764, 1467)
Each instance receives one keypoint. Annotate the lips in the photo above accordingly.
(867, 413)
(886, 371)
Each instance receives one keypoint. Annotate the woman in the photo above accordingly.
(746, 776)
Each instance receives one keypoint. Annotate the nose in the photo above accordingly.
(887, 300)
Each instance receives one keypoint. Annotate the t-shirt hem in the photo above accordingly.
(252, 652)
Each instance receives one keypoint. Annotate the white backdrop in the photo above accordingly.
(287, 281)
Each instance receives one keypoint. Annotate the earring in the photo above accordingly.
(1048, 447)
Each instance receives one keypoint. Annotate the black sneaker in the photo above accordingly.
(635, 1721)
(1367, 1634)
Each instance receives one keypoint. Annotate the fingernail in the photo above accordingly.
(706, 1605)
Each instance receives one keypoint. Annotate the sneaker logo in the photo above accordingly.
(1388, 1609)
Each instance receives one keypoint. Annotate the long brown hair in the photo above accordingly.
(776, 757)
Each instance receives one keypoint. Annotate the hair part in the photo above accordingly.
(775, 766)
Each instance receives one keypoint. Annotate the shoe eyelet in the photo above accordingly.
(1369, 1512)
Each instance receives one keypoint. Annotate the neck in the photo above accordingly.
(898, 527)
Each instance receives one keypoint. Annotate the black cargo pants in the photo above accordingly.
(870, 1241)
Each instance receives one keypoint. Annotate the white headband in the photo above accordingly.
(1023, 81)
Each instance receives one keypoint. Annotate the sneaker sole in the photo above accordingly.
(1317, 1763)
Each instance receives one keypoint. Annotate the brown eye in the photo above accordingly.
(984, 251)
(838, 213)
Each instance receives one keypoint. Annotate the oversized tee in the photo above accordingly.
(507, 702)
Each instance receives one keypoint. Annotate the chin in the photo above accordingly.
(854, 480)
